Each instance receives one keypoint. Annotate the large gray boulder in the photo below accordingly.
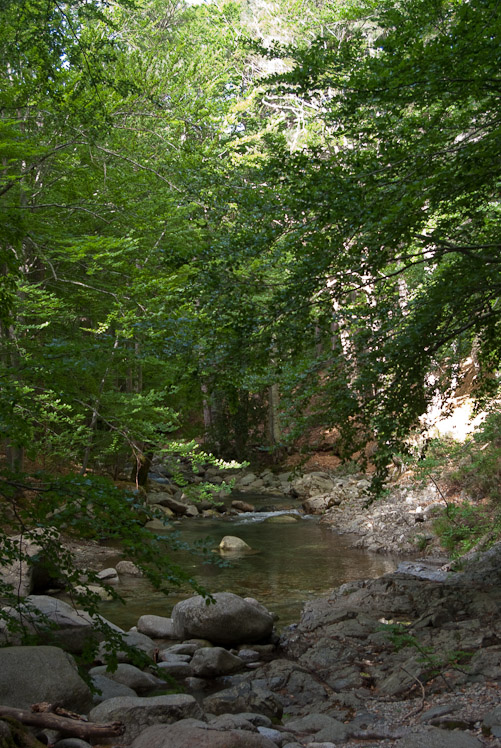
(190, 733)
(138, 713)
(57, 622)
(29, 675)
(230, 620)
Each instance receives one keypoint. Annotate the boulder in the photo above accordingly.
(109, 689)
(282, 519)
(129, 569)
(29, 675)
(245, 697)
(247, 479)
(312, 484)
(232, 544)
(176, 668)
(319, 504)
(57, 622)
(157, 627)
(243, 506)
(432, 737)
(139, 713)
(230, 620)
(189, 733)
(134, 639)
(211, 662)
(129, 676)
(325, 728)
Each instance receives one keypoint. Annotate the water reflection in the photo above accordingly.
(294, 562)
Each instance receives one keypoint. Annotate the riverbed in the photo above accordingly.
(291, 563)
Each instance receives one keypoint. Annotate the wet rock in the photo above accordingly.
(232, 544)
(243, 506)
(282, 519)
(128, 568)
(108, 575)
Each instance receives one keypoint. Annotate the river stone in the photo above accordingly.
(73, 629)
(247, 479)
(29, 675)
(188, 734)
(282, 519)
(432, 737)
(325, 728)
(130, 676)
(176, 669)
(133, 639)
(245, 697)
(243, 506)
(317, 504)
(230, 620)
(129, 569)
(232, 544)
(108, 575)
(312, 484)
(211, 662)
(139, 713)
(109, 689)
(72, 743)
(157, 627)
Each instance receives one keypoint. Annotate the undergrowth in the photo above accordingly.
(471, 471)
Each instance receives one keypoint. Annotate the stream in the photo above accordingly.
(292, 562)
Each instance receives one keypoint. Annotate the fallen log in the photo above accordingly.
(71, 727)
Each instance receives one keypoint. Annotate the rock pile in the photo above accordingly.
(409, 660)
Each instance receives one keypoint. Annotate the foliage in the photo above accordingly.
(390, 250)
(465, 526)
(43, 510)
(437, 664)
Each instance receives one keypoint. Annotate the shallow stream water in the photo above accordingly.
(292, 562)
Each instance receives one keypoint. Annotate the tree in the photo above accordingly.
(403, 190)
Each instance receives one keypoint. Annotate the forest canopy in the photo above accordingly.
(235, 222)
